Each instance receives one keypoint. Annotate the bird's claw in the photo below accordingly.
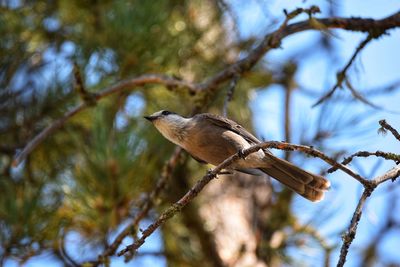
(241, 154)
(211, 174)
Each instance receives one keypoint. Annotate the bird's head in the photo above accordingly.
(169, 124)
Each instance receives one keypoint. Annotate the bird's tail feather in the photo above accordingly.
(306, 184)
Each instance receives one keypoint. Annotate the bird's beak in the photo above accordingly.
(150, 118)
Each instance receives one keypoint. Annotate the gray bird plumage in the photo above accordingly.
(212, 138)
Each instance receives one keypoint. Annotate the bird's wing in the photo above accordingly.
(229, 125)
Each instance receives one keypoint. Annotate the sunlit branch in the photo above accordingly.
(349, 236)
(200, 184)
(364, 154)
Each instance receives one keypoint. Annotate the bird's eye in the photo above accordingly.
(165, 113)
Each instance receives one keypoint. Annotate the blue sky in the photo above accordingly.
(378, 65)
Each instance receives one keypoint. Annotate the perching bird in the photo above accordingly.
(211, 139)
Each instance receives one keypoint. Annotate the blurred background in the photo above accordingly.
(78, 189)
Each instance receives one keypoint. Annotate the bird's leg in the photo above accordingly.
(223, 172)
(226, 172)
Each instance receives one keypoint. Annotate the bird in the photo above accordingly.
(211, 138)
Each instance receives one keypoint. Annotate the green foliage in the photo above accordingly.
(87, 177)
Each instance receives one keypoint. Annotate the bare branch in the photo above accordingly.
(385, 155)
(349, 236)
(200, 184)
(379, 90)
(393, 174)
(352, 229)
(315, 153)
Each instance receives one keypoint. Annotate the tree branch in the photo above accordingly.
(392, 174)
(352, 229)
(315, 153)
(200, 184)
(351, 24)
(385, 155)
(270, 41)
(351, 232)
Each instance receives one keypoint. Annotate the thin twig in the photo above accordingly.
(373, 91)
(341, 75)
(79, 86)
(388, 156)
(385, 126)
(349, 236)
(385, 155)
(68, 261)
(357, 95)
(315, 153)
(229, 94)
(288, 83)
(287, 118)
(382, 89)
